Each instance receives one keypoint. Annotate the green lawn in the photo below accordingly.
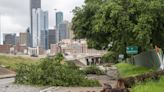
(151, 86)
(12, 62)
(127, 70)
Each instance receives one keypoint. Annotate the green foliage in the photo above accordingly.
(123, 22)
(71, 65)
(110, 57)
(93, 70)
(127, 70)
(50, 72)
(151, 86)
(58, 57)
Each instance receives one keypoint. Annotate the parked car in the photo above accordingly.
(34, 55)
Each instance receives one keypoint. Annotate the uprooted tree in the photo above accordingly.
(123, 22)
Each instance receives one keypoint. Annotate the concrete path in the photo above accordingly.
(76, 89)
(6, 81)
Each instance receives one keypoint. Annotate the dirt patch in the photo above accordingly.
(4, 71)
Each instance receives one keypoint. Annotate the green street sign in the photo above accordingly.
(132, 50)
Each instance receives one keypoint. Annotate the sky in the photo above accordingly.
(15, 15)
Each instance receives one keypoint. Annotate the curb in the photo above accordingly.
(48, 89)
(7, 76)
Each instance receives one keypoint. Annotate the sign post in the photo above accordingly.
(132, 50)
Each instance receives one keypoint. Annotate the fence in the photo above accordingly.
(147, 59)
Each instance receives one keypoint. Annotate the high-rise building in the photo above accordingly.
(70, 31)
(9, 39)
(44, 30)
(52, 37)
(59, 20)
(29, 38)
(23, 39)
(63, 30)
(40, 29)
(34, 4)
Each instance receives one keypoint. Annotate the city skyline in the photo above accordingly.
(15, 16)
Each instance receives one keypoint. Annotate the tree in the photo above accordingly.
(123, 22)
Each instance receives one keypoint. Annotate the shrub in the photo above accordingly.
(110, 57)
(50, 72)
(93, 70)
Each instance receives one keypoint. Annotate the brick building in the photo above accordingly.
(5, 49)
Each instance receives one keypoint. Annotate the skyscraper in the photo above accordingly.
(34, 4)
(23, 39)
(59, 20)
(63, 30)
(29, 38)
(44, 30)
(52, 36)
(71, 33)
(40, 28)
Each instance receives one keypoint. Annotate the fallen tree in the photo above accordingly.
(53, 72)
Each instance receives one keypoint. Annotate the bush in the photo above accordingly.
(50, 72)
(110, 57)
(93, 70)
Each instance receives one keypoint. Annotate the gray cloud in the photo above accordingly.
(15, 13)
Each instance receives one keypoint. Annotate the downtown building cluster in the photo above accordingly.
(38, 37)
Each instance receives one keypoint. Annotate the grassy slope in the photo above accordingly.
(127, 70)
(12, 62)
(151, 86)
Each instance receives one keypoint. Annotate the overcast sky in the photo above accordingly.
(15, 13)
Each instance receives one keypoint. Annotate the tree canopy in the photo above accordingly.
(123, 22)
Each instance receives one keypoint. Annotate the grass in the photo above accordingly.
(127, 70)
(151, 86)
(12, 62)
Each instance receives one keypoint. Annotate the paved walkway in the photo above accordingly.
(76, 89)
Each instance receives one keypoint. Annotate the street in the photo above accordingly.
(6, 81)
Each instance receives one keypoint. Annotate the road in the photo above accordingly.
(6, 85)
(6, 81)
